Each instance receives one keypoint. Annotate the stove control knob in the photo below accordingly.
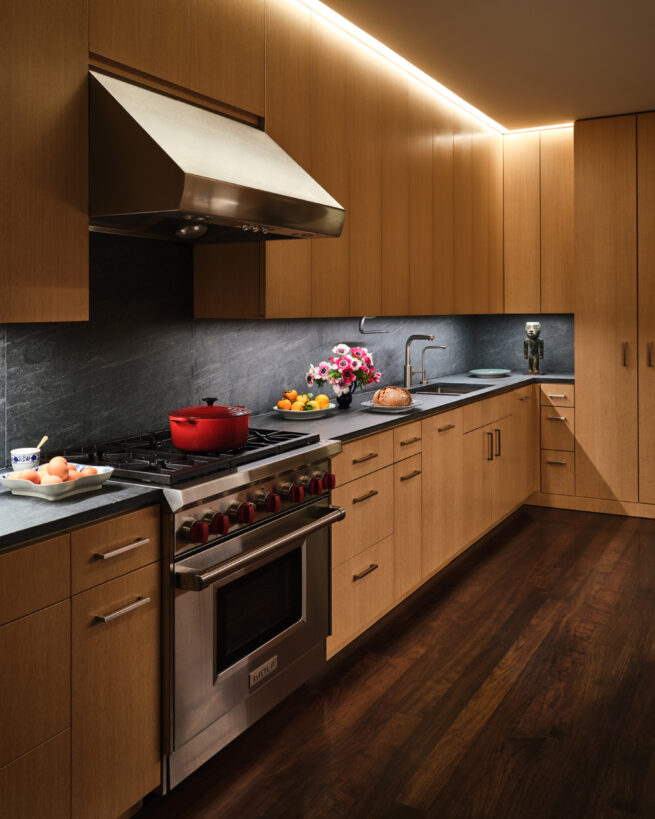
(316, 486)
(293, 491)
(195, 531)
(269, 500)
(243, 512)
(219, 524)
(329, 480)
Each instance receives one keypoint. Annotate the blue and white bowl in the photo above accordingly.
(26, 458)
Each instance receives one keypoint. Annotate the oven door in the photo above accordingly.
(241, 622)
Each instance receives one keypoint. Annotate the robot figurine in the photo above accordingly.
(533, 347)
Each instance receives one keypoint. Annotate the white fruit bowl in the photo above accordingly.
(57, 491)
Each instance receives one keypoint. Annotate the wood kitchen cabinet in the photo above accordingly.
(606, 446)
(443, 273)
(43, 163)
(407, 526)
(420, 135)
(557, 268)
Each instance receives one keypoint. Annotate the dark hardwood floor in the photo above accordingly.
(521, 685)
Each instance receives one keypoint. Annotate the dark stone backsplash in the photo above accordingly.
(142, 353)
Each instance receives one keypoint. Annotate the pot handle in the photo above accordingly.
(210, 401)
(189, 420)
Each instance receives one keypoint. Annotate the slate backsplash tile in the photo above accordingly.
(4, 453)
(499, 342)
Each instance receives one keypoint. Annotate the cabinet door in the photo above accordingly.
(116, 694)
(43, 162)
(463, 136)
(443, 277)
(421, 287)
(227, 46)
(557, 270)
(407, 480)
(522, 230)
(487, 222)
(646, 243)
(506, 471)
(525, 406)
(149, 35)
(606, 308)
(477, 477)
(446, 499)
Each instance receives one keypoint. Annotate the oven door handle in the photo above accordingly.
(191, 580)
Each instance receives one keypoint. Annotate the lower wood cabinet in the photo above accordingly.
(407, 481)
(116, 754)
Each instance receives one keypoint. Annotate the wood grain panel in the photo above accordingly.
(479, 474)
(394, 89)
(557, 270)
(32, 577)
(465, 284)
(288, 95)
(149, 35)
(38, 784)
(369, 505)
(216, 268)
(558, 428)
(34, 680)
(495, 254)
(141, 527)
(43, 162)
(443, 277)
(227, 48)
(365, 168)
(407, 527)
(522, 223)
(480, 413)
(557, 472)
(557, 395)
(606, 308)
(421, 266)
(407, 440)
(646, 267)
(116, 682)
(363, 456)
(330, 165)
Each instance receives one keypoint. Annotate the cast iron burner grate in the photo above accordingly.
(152, 458)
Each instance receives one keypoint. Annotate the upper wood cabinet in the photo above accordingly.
(538, 221)
(149, 35)
(606, 308)
(226, 52)
(43, 163)
(443, 273)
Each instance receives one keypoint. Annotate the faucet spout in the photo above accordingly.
(409, 371)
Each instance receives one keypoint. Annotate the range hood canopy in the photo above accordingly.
(164, 168)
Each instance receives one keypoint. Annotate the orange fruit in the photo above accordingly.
(284, 404)
(290, 394)
(312, 405)
(303, 398)
(322, 400)
(297, 406)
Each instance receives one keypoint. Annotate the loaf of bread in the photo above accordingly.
(392, 397)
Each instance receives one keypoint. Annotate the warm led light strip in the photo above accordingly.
(400, 62)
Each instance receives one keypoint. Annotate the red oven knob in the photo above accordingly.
(329, 480)
(195, 531)
(272, 502)
(243, 512)
(316, 486)
(219, 524)
(297, 493)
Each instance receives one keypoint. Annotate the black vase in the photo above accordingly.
(345, 400)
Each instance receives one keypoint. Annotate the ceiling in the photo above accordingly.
(524, 64)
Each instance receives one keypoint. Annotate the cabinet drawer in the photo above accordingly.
(362, 590)
(33, 577)
(557, 472)
(484, 412)
(363, 456)
(557, 395)
(519, 398)
(407, 490)
(38, 784)
(34, 680)
(406, 440)
(368, 502)
(558, 428)
(114, 547)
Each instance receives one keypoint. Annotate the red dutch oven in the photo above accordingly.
(209, 428)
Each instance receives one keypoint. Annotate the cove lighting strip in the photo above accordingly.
(341, 23)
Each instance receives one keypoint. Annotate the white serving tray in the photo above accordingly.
(369, 405)
(57, 491)
(304, 415)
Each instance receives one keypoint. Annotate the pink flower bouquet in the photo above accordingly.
(345, 370)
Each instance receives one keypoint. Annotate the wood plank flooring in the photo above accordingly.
(519, 685)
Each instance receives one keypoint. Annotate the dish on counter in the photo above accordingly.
(57, 491)
(491, 373)
(304, 415)
(369, 405)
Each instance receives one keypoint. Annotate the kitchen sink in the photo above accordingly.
(447, 389)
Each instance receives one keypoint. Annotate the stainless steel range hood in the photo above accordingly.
(163, 168)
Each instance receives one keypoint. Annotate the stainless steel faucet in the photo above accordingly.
(424, 379)
(409, 370)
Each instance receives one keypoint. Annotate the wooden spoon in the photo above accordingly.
(42, 441)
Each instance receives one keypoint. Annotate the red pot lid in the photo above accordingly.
(210, 412)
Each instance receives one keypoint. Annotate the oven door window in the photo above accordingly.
(257, 607)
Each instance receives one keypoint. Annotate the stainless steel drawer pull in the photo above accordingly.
(410, 441)
(106, 618)
(370, 569)
(446, 428)
(411, 475)
(557, 417)
(490, 441)
(553, 395)
(557, 463)
(368, 495)
(527, 397)
(368, 457)
(141, 541)
(649, 350)
(497, 433)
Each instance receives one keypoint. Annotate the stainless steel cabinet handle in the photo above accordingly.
(446, 428)
(411, 475)
(370, 569)
(625, 353)
(410, 441)
(497, 434)
(557, 463)
(368, 457)
(114, 615)
(141, 541)
(649, 352)
(368, 495)
(556, 417)
(553, 395)
(490, 442)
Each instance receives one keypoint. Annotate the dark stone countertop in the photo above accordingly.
(345, 425)
(25, 518)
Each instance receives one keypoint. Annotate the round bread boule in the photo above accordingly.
(392, 397)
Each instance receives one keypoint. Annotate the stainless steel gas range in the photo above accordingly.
(246, 578)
